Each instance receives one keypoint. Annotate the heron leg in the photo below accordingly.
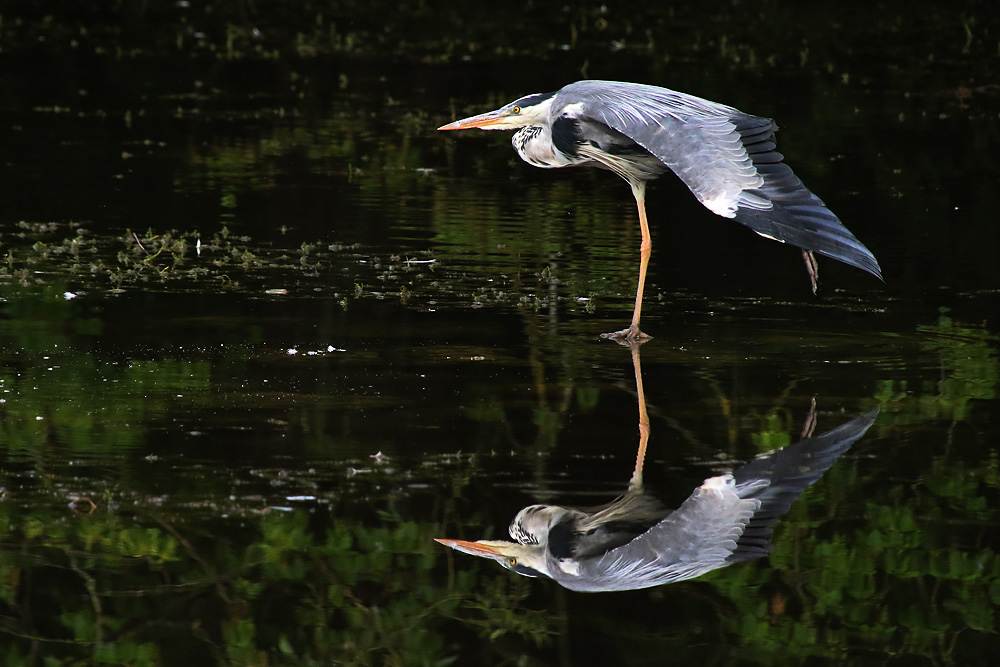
(640, 457)
(810, 424)
(632, 333)
(812, 268)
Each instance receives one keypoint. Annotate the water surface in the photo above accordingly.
(265, 334)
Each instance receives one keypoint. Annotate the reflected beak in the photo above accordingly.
(482, 120)
(482, 549)
(528, 561)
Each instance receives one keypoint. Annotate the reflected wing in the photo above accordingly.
(788, 472)
(698, 537)
(727, 158)
(608, 527)
(726, 520)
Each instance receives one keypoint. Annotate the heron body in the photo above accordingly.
(727, 158)
(634, 543)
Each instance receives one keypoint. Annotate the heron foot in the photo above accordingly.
(627, 336)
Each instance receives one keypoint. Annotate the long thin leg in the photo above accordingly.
(640, 457)
(810, 424)
(812, 268)
(645, 250)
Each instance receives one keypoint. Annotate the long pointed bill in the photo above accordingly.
(482, 120)
(474, 548)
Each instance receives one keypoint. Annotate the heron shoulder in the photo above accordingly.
(641, 101)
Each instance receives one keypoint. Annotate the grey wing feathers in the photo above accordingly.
(785, 474)
(696, 538)
(726, 158)
(796, 215)
(726, 520)
(691, 136)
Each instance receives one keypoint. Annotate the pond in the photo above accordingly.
(266, 334)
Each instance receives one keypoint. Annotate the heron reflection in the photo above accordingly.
(634, 542)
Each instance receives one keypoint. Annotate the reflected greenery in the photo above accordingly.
(862, 565)
(147, 591)
(210, 567)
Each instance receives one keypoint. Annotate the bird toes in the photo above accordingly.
(627, 337)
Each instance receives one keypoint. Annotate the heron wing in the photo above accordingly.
(608, 527)
(790, 471)
(696, 538)
(726, 158)
(726, 520)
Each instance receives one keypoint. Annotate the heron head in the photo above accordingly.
(528, 560)
(528, 110)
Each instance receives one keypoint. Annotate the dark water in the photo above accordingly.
(265, 334)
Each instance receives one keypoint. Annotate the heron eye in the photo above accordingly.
(512, 562)
(516, 110)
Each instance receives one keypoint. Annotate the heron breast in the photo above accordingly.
(534, 144)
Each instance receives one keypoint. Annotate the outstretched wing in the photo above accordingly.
(698, 537)
(726, 520)
(727, 158)
(788, 472)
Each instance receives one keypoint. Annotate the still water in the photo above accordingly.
(265, 335)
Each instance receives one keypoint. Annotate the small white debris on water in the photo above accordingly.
(329, 349)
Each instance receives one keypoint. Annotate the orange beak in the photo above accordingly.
(473, 548)
(482, 120)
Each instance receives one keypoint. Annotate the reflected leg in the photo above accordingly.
(640, 457)
(809, 426)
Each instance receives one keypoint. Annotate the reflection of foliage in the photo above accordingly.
(502, 612)
(968, 369)
(894, 571)
(968, 357)
(290, 593)
(860, 564)
(773, 436)
(109, 558)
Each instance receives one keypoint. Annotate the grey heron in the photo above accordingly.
(634, 543)
(726, 157)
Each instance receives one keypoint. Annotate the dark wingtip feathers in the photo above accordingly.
(788, 473)
(797, 215)
(811, 228)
